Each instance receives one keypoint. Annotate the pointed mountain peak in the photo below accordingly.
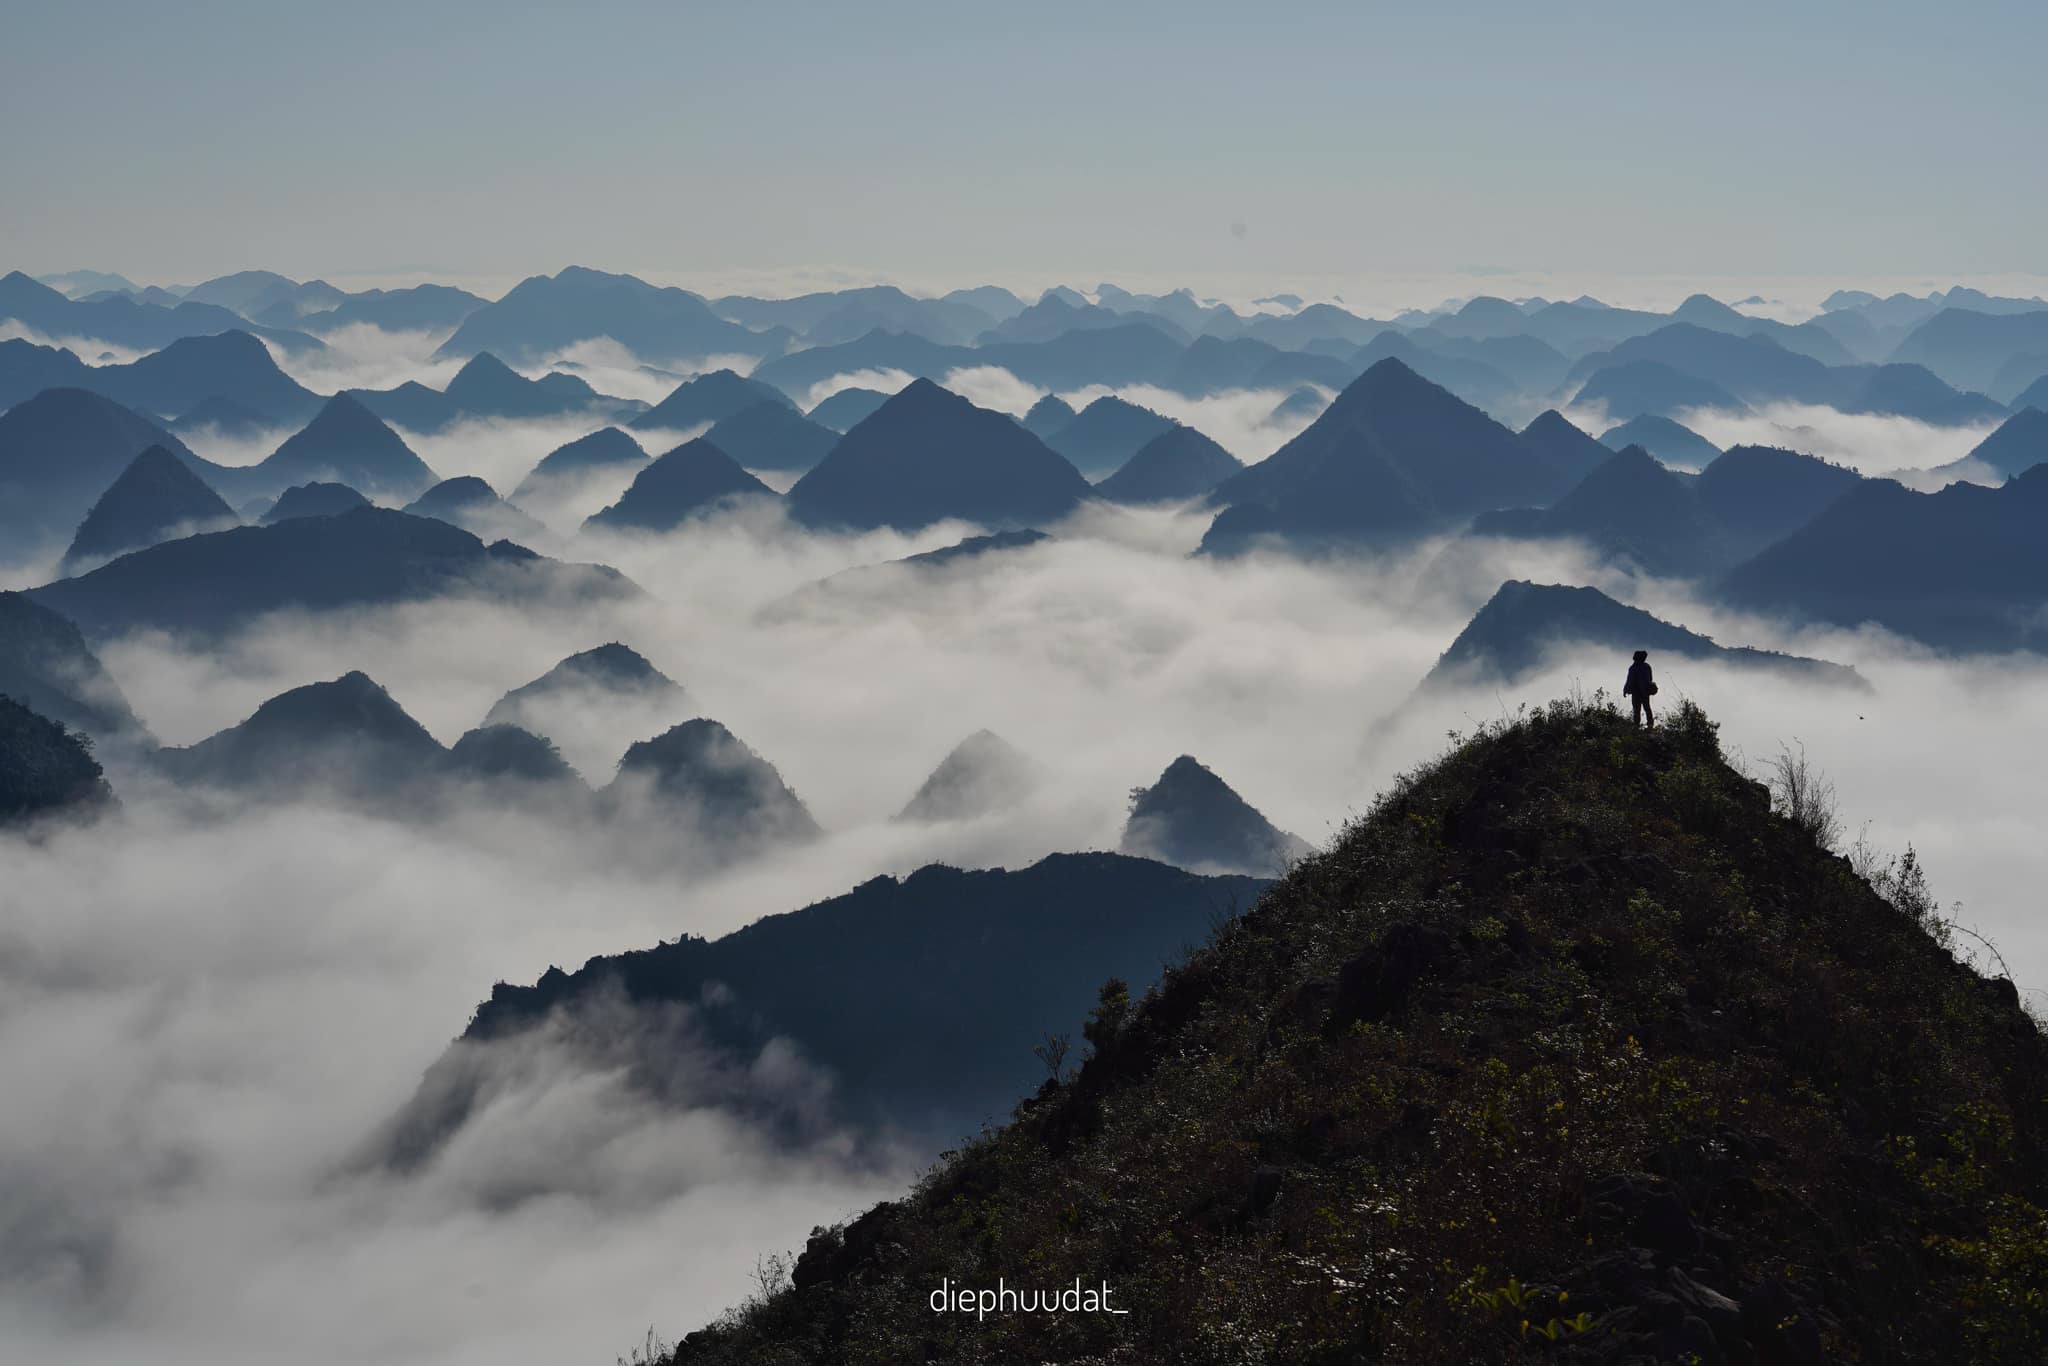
(1192, 818)
(983, 774)
(156, 498)
(693, 478)
(314, 499)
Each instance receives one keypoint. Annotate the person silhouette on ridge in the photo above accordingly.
(1639, 688)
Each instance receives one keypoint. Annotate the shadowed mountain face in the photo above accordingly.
(1393, 457)
(1106, 434)
(232, 369)
(314, 500)
(2019, 444)
(982, 775)
(2035, 395)
(1178, 463)
(46, 665)
(595, 704)
(605, 450)
(59, 451)
(1968, 347)
(1193, 819)
(498, 753)
(847, 408)
(345, 443)
(709, 398)
(1569, 451)
(772, 436)
(1475, 981)
(1667, 440)
(157, 498)
(928, 455)
(419, 308)
(699, 780)
(693, 480)
(1643, 388)
(126, 322)
(44, 769)
(473, 505)
(347, 737)
(1965, 569)
(487, 388)
(920, 998)
(1523, 627)
(221, 582)
(545, 314)
(1048, 415)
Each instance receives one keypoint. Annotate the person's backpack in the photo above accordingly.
(1652, 690)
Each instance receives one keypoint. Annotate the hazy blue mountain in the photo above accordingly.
(2021, 373)
(544, 314)
(1524, 625)
(1193, 819)
(880, 586)
(123, 321)
(223, 581)
(224, 418)
(607, 450)
(1755, 495)
(713, 789)
(1303, 405)
(44, 769)
(348, 737)
(1631, 509)
(78, 283)
(694, 479)
(230, 365)
(1135, 353)
(314, 500)
(1570, 452)
(1107, 433)
(420, 308)
(1048, 415)
(709, 398)
(1669, 441)
(46, 665)
(881, 349)
(841, 315)
(344, 443)
(842, 410)
(1178, 463)
(1053, 317)
(1965, 569)
(1214, 364)
(157, 498)
(595, 704)
(1968, 348)
(27, 369)
(486, 387)
(1293, 331)
(928, 455)
(1531, 364)
(922, 996)
(253, 293)
(772, 436)
(1651, 389)
(982, 775)
(997, 302)
(2019, 444)
(1393, 456)
(470, 503)
(1475, 382)
(59, 451)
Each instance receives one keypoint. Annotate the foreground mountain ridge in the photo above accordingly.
(1572, 1031)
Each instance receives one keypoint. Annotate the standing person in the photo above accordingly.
(1639, 688)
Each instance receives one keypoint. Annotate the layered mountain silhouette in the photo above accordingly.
(470, 503)
(225, 580)
(1569, 451)
(1493, 1039)
(1644, 388)
(46, 665)
(1669, 441)
(1393, 457)
(695, 479)
(1964, 569)
(1968, 346)
(345, 443)
(486, 387)
(232, 370)
(1179, 463)
(880, 586)
(506, 753)
(772, 436)
(607, 451)
(45, 769)
(157, 498)
(982, 775)
(123, 321)
(1524, 626)
(314, 500)
(59, 451)
(1192, 818)
(1106, 434)
(347, 737)
(594, 704)
(702, 782)
(1048, 415)
(544, 314)
(922, 996)
(848, 407)
(709, 398)
(2019, 444)
(417, 308)
(929, 455)
(224, 418)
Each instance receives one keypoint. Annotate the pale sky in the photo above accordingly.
(948, 142)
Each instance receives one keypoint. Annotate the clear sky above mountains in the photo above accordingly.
(942, 142)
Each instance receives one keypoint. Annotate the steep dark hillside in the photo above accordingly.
(344, 443)
(346, 736)
(848, 407)
(1192, 818)
(155, 499)
(709, 398)
(1178, 463)
(772, 436)
(706, 783)
(1107, 433)
(695, 479)
(1571, 1032)
(43, 766)
(1671, 442)
(46, 665)
(314, 500)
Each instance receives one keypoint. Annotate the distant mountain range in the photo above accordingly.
(1192, 818)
